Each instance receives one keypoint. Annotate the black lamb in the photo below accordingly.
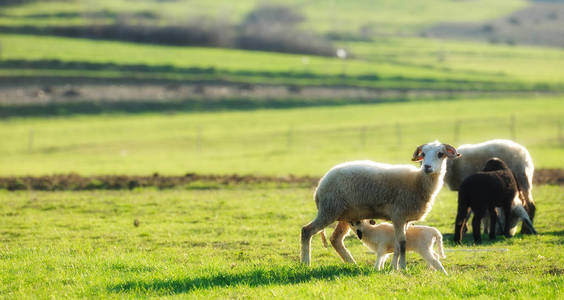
(482, 192)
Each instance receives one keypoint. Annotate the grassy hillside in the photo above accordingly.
(274, 142)
(243, 243)
(388, 63)
(383, 16)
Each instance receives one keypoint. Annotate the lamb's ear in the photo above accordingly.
(372, 222)
(417, 154)
(359, 234)
(451, 151)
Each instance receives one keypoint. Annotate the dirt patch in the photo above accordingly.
(549, 176)
(555, 271)
(116, 182)
(50, 93)
(189, 180)
(540, 23)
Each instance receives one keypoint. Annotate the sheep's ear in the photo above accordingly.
(451, 151)
(417, 154)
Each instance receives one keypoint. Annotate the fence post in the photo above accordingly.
(289, 137)
(398, 134)
(30, 141)
(362, 136)
(560, 137)
(512, 126)
(456, 131)
(198, 138)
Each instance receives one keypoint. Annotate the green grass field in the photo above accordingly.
(244, 243)
(386, 63)
(208, 240)
(384, 15)
(303, 141)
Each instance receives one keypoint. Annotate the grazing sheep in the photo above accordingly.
(514, 155)
(367, 190)
(380, 239)
(482, 192)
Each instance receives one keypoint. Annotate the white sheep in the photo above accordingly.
(421, 239)
(367, 190)
(514, 155)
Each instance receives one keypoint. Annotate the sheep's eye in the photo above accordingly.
(441, 155)
(422, 154)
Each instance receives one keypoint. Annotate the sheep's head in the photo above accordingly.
(432, 156)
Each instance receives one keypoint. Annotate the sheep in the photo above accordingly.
(380, 239)
(514, 155)
(368, 190)
(482, 192)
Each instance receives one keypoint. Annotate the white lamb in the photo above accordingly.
(380, 239)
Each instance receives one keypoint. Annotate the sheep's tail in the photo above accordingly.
(439, 238)
(323, 238)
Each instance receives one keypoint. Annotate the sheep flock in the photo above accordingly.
(354, 192)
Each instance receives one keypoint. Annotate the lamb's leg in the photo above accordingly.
(399, 244)
(493, 221)
(435, 263)
(337, 241)
(379, 259)
(460, 223)
(310, 230)
(384, 259)
(476, 222)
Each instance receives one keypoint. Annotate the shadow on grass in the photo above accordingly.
(252, 278)
(55, 64)
(557, 233)
(468, 239)
(186, 105)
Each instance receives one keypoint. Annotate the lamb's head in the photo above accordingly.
(359, 226)
(432, 156)
(495, 164)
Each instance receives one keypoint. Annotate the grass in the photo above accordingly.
(387, 63)
(243, 242)
(383, 16)
(302, 141)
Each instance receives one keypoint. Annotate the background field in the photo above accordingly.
(304, 141)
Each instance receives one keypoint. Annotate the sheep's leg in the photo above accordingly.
(507, 227)
(433, 262)
(308, 231)
(399, 244)
(528, 197)
(337, 241)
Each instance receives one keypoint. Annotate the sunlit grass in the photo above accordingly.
(274, 142)
(244, 242)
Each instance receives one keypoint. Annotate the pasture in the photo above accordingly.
(301, 141)
(321, 16)
(408, 63)
(243, 242)
(229, 127)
